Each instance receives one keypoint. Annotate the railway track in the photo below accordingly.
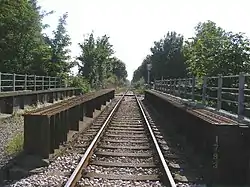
(124, 146)
(123, 151)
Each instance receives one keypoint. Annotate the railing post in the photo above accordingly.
(34, 82)
(170, 86)
(49, 82)
(165, 86)
(60, 83)
(25, 82)
(193, 87)
(171, 82)
(55, 82)
(14, 82)
(0, 81)
(174, 85)
(241, 96)
(185, 87)
(204, 86)
(52, 80)
(179, 87)
(42, 82)
(162, 86)
(219, 91)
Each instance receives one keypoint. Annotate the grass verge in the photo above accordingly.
(15, 145)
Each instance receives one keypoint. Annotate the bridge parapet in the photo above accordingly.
(220, 139)
(46, 128)
(226, 94)
(13, 101)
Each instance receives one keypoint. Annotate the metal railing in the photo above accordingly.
(229, 93)
(19, 82)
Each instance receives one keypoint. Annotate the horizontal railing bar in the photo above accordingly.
(229, 101)
(211, 97)
(6, 80)
(6, 74)
(230, 93)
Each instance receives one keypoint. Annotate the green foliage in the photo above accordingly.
(139, 86)
(23, 47)
(97, 64)
(167, 59)
(210, 52)
(118, 68)
(79, 82)
(110, 82)
(139, 83)
(15, 145)
(59, 63)
(214, 51)
(21, 43)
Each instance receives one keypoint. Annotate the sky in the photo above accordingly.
(133, 25)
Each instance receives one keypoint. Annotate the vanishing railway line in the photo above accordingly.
(130, 143)
(122, 150)
(123, 147)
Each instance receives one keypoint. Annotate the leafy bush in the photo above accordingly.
(139, 84)
(111, 82)
(79, 82)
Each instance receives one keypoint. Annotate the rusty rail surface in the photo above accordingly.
(46, 128)
(87, 155)
(170, 180)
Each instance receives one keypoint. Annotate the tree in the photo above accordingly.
(167, 59)
(119, 69)
(104, 51)
(141, 71)
(214, 51)
(21, 42)
(87, 65)
(97, 63)
(59, 63)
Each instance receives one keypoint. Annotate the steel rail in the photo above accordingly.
(167, 172)
(84, 160)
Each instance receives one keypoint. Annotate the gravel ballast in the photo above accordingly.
(9, 127)
(54, 175)
(60, 167)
